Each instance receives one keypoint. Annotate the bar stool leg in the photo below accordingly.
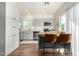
(43, 48)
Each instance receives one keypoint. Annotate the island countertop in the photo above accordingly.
(52, 32)
(49, 32)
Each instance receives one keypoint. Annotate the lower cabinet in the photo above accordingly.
(16, 40)
(26, 35)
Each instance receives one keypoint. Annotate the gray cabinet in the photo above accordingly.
(37, 22)
(26, 35)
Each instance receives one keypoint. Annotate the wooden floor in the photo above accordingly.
(32, 50)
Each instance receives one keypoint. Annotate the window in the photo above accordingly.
(62, 22)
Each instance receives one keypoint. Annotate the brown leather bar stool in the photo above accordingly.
(64, 39)
(50, 39)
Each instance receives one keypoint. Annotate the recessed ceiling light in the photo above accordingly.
(26, 10)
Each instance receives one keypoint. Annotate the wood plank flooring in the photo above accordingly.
(32, 50)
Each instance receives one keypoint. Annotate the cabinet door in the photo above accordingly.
(15, 31)
(15, 13)
(12, 11)
(9, 45)
(9, 10)
(28, 35)
(15, 24)
(15, 40)
(38, 22)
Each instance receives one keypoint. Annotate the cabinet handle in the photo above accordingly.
(14, 35)
(14, 27)
(14, 18)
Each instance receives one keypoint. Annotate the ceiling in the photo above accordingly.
(39, 7)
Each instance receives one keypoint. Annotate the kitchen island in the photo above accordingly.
(43, 44)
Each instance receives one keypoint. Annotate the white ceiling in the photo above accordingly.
(39, 7)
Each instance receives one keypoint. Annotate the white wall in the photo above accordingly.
(2, 28)
(61, 11)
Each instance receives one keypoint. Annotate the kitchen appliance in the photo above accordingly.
(35, 35)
